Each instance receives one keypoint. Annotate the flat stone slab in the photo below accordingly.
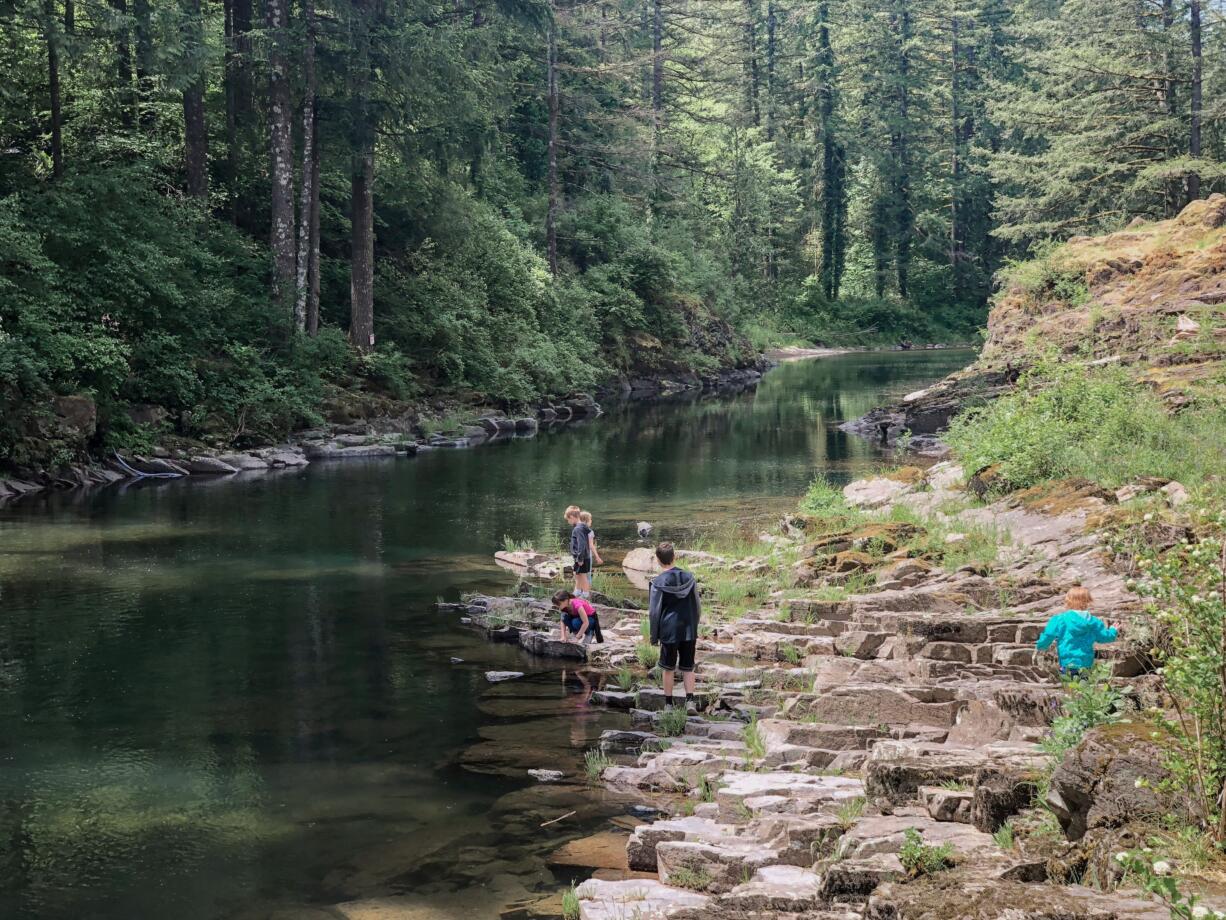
(634, 899)
(779, 791)
(790, 889)
(496, 677)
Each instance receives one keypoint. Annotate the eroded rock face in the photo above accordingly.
(1109, 780)
(975, 895)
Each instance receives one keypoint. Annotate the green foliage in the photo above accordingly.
(1090, 700)
(594, 764)
(920, 859)
(790, 653)
(693, 879)
(624, 680)
(707, 788)
(823, 497)
(755, 744)
(1004, 836)
(1071, 420)
(1155, 876)
(648, 655)
(672, 722)
(512, 545)
(851, 811)
(1187, 590)
(570, 904)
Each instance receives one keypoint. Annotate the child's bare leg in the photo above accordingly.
(668, 685)
(688, 680)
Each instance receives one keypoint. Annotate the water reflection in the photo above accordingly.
(233, 698)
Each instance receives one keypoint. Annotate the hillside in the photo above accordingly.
(1150, 299)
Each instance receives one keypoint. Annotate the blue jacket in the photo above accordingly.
(1075, 633)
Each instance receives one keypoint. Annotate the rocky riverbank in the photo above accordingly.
(868, 739)
(390, 435)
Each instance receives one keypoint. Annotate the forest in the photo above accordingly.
(216, 216)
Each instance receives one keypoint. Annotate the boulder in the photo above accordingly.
(1110, 779)
(208, 466)
(78, 414)
(875, 493)
(546, 776)
(999, 795)
(243, 462)
(642, 898)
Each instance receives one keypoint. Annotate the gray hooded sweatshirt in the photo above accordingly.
(673, 608)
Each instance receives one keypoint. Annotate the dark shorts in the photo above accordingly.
(677, 656)
(584, 566)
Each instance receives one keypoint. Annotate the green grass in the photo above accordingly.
(954, 785)
(919, 859)
(648, 655)
(624, 680)
(707, 788)
(1004, 836)
(645, 628)
(691, 879)
(511, 545)
(851, 811)
(672, 722)
(755, 744)
(790, 653)
(1067, 420)
(570, 904)
(594, 764)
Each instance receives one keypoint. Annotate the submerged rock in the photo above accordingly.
(495, 677)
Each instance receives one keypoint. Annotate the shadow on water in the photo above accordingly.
(233, 698)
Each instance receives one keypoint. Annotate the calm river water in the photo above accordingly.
(232, 699)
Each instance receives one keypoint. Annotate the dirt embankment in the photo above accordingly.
(1150, 298)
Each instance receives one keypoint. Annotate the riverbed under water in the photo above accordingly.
(233, 698)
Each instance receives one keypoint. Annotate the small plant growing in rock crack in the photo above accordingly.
(918, 858)
(954, 785)
(790, 654)
(755, 744)
(742, 812)
(594, 764)
(1004, 836)
(624, 680)
(647, 654)
(672, 722)
(707, 788)
(570, 904)
(1091, 701)
(511, 545)
(645, 629)
(692, 879)
(851, 811)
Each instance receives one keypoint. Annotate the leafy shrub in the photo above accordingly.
(1090, 701)
(1070, 420)
(1187, 588)
(919, 859)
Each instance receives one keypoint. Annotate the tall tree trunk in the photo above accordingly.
(144, 62)
(123, 68)
(1172, 188)
(955, 164)
(195, 131)
(237, 80)
(905, 224)
(657, 100)
(281, 152)
(771, 52)
(1194, 135)
(751, 63)
(309, 192)
(51, 28)
(361, 194)
(70, 17)
(313, 257)
(881, 243)
(551, 215)
(833, 196)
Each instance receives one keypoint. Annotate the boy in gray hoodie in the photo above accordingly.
(673, 610)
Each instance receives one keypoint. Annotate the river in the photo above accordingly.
(233, 698)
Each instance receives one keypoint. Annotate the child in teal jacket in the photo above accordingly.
(1075, 632)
